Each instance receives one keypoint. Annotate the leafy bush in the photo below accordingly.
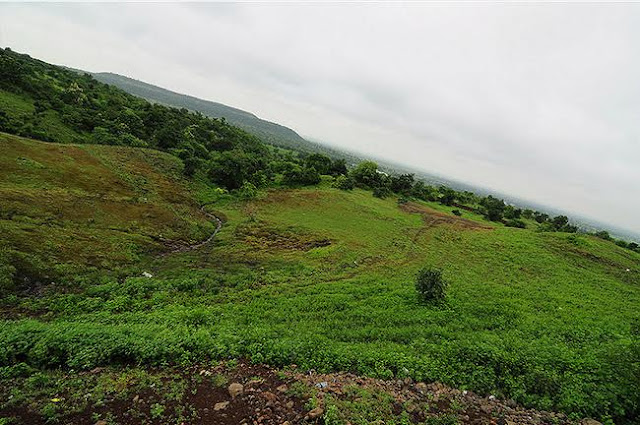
(430, 285)
(343, 182)
(456, 212)
(515, 223)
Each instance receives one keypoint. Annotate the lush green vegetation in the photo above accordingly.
(309, 267)
(325, 279)
(265, 130)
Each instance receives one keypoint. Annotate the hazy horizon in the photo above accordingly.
(536, 101)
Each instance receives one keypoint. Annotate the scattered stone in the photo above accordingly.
(269, 396)
(315, 413)
(589, 421)
(322, 385)
(101, 422)
(421, 387)
(136, 399)
(220, 406)
(235, 389)
(282, 388)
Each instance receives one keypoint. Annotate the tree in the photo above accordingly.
(559, 222)
(339, 166)
(603, 234)
(541, 217)
(633, 246)
(343, 182)
(231, 169)
(301, 176)
(320, 162)
(514, 222)
(511, 212)
(381, 191)
(366, 174)
(447, 195)
(622, 243)
(493, 208)
(402, 183)
(422, 191)
(430, 285)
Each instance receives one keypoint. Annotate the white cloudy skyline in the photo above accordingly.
(538, 101)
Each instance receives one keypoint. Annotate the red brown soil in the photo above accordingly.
(434, 218)
(268, 399)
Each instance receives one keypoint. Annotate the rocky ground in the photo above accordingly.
(247, 394)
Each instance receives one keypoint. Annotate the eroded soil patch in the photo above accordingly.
(434, 218)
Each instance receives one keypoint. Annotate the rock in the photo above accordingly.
(290, 405)
(136, 398)
(269, 396)
(282, 388)
(421, 387)
(101, 422)
(235, 389)
(315, 413)
(589, 421)
(322, 384)
(221, 406)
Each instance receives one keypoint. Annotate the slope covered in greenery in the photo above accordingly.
(265, 130)
(68, 209)
(325, 279)
(307, 269)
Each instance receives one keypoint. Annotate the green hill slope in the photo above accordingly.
(325, 279)
(68, 209)
(267, 131)
(312, 276)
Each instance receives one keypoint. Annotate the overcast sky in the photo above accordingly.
(538, 101)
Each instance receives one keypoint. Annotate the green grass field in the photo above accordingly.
(317, 277)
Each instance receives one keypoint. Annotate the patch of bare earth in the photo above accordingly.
(249, 394)
(434, 218)
(261, 235)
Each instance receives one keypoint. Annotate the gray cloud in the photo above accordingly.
(540, 101)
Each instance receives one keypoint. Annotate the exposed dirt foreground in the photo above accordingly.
(250, 394)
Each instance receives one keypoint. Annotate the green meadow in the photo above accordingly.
(317, 277)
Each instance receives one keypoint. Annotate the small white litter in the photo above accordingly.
(147, 274)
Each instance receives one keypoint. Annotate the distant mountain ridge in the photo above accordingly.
(268, 131)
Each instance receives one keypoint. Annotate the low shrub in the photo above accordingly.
(430, 285)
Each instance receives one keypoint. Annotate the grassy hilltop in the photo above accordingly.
(112, 311)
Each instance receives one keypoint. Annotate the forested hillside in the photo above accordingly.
(265, 130)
